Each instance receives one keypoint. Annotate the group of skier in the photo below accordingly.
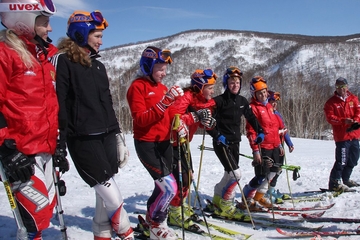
(164, 124)
(54, 99)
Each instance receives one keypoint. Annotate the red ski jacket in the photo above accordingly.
(270, 124)
(337, 110)
(149, 122)
(28, 100)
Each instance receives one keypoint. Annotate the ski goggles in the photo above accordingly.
(162, 56)
(234, 71)
(94, 17)
(165, 56)
(48, 7)
(207, 73)
(45, 7)
(340, 86)
(274, 96)
(258, 79)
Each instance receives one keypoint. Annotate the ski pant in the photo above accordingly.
(109, 211)
(95, 159)
(229, 158)
(36, 198)
(346, 158)
(263, 174)
(229, 162)
(157, 158)
(186, 173)
(94, 156)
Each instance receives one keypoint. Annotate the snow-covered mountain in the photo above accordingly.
(302, 68)
(274, 56)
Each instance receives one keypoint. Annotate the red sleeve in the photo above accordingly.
(330, 115)
(5, 75)
(142, 101)
(251, 133)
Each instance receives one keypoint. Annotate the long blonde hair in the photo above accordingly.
(74, 52)
(18, 45)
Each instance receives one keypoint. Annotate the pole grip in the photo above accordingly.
(176, 121)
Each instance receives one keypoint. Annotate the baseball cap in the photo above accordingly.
(341, 81)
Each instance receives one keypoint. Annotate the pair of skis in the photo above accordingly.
(318, 233)
(142, 231)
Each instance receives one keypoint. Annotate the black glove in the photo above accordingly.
(59, 159)
(17, 166)
(354, 126)
(268, 162)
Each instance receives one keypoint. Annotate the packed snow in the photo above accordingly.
(316, 158)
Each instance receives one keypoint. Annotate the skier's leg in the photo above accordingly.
(353, 157)
(101, 225)
(113, 202)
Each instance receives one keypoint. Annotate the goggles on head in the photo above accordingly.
(48, 6)
(233, 72)
(207, 73)
(165, 56)
(258, 79)
(274, 96)
(95, 17)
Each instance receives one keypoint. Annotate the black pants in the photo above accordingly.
(156, 157)
(231, 157)
(94, 156)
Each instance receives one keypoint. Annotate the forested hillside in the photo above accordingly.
(302, 68)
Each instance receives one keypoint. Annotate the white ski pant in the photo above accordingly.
(109, 212)
(226, 187)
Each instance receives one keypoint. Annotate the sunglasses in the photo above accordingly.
(233, 70)
(258, 79)
(341, 86)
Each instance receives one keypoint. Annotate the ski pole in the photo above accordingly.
(241, 190)
(176, 124)
(285, 166)
(21, 231)
(200, 165)
(59, 208)
(197, 195)
(287, 176)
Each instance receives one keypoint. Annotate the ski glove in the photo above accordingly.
(17, 166)
(209, 123)
(169, 98)
(354, 126)
(60, 160)
(201, 114)
(268, 162)
(182, 130)
(259, 138)
(222, 140)
(122, 150)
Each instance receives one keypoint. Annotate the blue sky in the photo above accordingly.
(139, 20)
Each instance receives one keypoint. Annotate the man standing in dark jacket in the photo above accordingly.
(230, 106)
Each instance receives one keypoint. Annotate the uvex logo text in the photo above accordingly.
(24, 7)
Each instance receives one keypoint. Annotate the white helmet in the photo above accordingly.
(23, 22)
